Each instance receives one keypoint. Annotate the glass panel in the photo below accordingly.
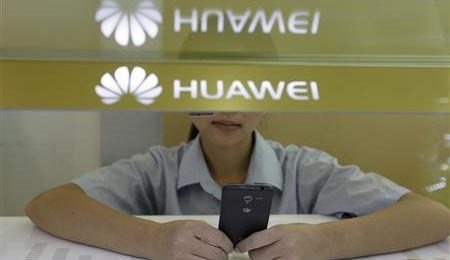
(232, 86)
(405, 31)
(411, 149)
(41, 149)
(82, 81)
(265, 55)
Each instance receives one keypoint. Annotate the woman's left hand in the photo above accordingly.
(291, 241)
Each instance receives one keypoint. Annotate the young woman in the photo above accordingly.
(97, 208)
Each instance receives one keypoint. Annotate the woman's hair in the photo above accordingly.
(193, 132)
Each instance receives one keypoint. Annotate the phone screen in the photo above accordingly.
(245, 209)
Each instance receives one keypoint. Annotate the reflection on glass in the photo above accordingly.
(134, 23)
(42, 148)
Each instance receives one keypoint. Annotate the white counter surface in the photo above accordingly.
(21, 240)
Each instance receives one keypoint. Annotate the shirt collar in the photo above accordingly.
(264, 167)
(193, 166)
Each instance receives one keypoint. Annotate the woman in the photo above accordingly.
(95, 209)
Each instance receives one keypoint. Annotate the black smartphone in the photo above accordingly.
(245, 209)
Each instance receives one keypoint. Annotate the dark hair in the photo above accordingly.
(193, 132)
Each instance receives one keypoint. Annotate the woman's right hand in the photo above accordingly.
(188, 239)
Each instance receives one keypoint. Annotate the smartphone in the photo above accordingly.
(245, 209)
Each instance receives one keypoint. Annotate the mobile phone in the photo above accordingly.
(245, 209)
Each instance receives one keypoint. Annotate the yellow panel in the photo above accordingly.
(71, 85)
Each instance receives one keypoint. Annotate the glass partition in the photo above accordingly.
(396, 32)
(41, 149)
(86, 83)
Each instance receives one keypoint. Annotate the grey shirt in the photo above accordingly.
(176, 181)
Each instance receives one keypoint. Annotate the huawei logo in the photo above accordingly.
(129, 21)
(144, 88)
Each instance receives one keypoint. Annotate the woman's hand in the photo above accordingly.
(292, 241)
(188, 239)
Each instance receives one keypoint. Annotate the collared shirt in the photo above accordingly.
(177, 181)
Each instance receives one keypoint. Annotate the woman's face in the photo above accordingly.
(227, 129)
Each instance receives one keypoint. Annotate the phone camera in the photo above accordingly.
(248, 199)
